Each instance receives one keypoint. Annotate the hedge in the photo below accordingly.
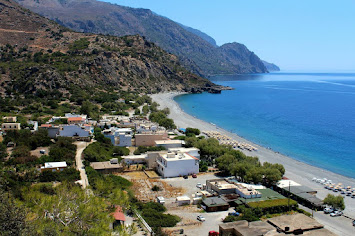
(274, 206)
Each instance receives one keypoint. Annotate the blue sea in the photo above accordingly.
(307, 116)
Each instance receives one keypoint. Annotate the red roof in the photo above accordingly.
(118, 214)
(75, 119)
(46, 125)
(192, 156)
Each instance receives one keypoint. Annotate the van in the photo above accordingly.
(161, 200)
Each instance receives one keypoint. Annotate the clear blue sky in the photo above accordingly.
(294, 34)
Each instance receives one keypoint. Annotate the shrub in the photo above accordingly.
(156, 188)
(274, 206)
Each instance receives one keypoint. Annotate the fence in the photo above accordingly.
(144, 223)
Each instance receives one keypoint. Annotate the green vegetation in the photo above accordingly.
(62, 150)
(153, 214)
(142, 149)
(162, 119)
(156, 188)
(274, 206)
(234, 162)
(68, 174)
(192, 132)
(28, 139)
(337, 202)
(102, 151)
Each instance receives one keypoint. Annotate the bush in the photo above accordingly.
(156, 188)
(274, 206)
(142, 149)
(192, 132)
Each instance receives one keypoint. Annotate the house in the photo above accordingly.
(53, 131)
(107, 167)
(10, 119)
(10, 126)
(192, 151)
(75, 120)
(148, 139)
(54, 166)
(119, 217)
(74, 131)
(213, 204)
(225, 186)
(183, 200)
(177, 164)
(169, 143)
(119, 136)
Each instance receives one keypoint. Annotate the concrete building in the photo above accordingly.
(295, 224)
(10, 119)
(177, 164)
(107, 167)
(213, 204)
(224, 186)
(54, 166)
(119, 136)
(183, 200)
(169, 143)
(75, 120)
(192, 151)
(149, 138)
(10, 126)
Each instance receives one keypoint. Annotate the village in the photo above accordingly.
(164, 168)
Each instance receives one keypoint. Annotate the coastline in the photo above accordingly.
(296, 170)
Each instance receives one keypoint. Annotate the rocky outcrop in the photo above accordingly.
(271, 66)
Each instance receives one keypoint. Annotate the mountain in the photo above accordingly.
(271, 66)
(195, 53)
(38, 56)
(200, 34)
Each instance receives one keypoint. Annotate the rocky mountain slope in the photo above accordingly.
(270, 66)
(196, 54)
(37, 54)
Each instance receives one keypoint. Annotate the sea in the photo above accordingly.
(307, 116)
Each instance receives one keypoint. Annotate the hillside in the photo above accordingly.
(39, 55)
(270, 66)
(196, 54)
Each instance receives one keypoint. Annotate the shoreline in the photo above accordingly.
(298, 171)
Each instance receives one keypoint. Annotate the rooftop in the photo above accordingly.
(160, 142)
(295, 222)
(75, 119)
(118, 214)
(256, 228)
(214, 201)
(104, 165)
(266, 194)
(177, 156)
(54, 165)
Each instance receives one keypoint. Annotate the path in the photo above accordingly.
(79, 162)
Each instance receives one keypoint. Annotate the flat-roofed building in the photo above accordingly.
(177, 164)
(10, 119)
(192, 151)
(224, 186)
(54, 166)
(169, 143)
(10, 126)
(121, 137)
(75, 120)
(148, 139)
(213, 204)
(107, 167)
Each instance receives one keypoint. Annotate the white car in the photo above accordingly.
(198, 185)
(336, 213)
(328, 210)
(201, 218)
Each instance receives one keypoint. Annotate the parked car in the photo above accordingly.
(336, 213)
(194, 176)
(328, 210)
(42, 151)
(213, 233)
(201, 218)
(161, 200)
(185, 177)
(199, 185)
(354, 223)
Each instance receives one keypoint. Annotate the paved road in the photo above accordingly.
(79, 162)
(339, 225)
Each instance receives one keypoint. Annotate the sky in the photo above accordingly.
(307, 35)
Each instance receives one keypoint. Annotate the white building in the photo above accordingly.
(119, 136)
(177, 164)
(54, 166)
(192, 151)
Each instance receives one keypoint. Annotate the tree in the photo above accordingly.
(12, 217)
(3, 152)
(192, 131)
(337, 202)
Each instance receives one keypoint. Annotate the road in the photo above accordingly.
(339, 225)
(79, 162)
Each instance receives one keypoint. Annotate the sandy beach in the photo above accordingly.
(297, 171)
